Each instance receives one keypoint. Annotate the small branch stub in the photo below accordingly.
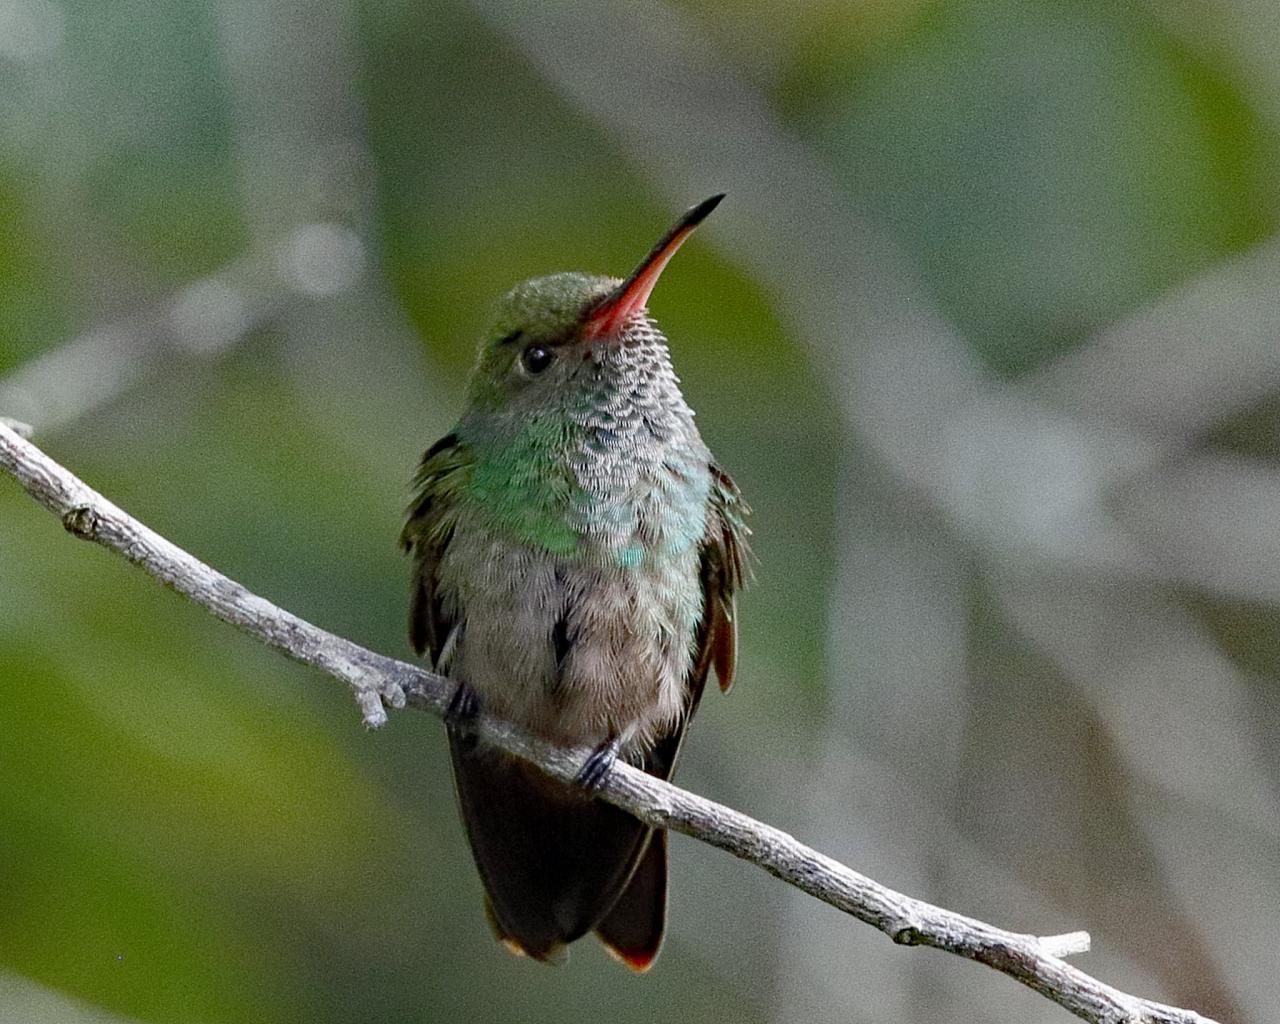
(371, 709)
(1065, 945)
(907, 936)
(82, 521)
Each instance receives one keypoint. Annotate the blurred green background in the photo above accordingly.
(987, 331)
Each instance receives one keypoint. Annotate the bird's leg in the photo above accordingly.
(460, 716)
(596, 769)
(598, 765)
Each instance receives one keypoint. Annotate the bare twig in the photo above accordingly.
(377, 680)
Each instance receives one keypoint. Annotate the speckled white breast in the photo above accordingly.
(630, 633)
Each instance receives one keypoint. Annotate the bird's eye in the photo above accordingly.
(537, 358)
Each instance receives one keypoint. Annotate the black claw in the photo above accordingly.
(460, 715)
(598, 765)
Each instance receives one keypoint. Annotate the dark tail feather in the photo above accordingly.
(633, 929)
(555, 955)
(552, 860)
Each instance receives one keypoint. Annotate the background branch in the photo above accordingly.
(376, 679)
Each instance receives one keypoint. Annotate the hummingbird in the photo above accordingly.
(576, 556)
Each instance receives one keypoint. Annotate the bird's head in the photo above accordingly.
(552, 337)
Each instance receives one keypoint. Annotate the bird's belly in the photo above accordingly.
(576, 653)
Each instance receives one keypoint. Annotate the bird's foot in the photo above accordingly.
(599, 764)
(461, 714)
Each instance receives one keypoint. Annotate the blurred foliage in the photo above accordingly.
(1050, 166)
(192, 829)
(29, 315)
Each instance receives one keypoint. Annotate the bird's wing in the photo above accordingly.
(725, 557)
(426, 534)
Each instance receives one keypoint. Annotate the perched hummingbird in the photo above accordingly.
(576, 553)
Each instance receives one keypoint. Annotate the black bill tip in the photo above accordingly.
(699, 213)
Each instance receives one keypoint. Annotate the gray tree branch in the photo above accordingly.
(378, 681)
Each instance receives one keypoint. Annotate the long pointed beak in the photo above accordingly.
(630, 298)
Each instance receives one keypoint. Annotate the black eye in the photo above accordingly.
(537, 358)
